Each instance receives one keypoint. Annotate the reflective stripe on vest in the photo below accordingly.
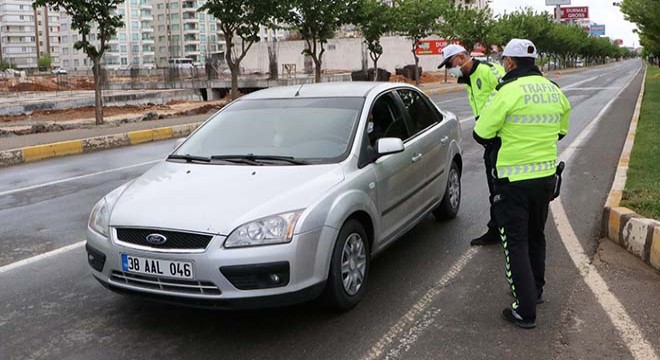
(506, 171)
(534, 119)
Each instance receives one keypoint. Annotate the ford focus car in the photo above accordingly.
(283, 196)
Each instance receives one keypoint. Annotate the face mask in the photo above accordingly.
(455, 72)
(370, 127)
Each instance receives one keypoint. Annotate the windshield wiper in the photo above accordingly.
(258, 159)
(188, 158)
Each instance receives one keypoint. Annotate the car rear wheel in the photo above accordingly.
(349, 267)
(448, 208)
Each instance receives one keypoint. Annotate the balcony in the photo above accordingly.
(186, 5)
(149, 29)
(146, 4)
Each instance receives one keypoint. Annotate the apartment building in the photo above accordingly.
(183, 32)
(27, 34)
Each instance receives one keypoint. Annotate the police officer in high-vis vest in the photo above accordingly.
(523, 120)
(480, 79)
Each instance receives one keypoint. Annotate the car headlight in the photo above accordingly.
(276, 229)
(99, 219)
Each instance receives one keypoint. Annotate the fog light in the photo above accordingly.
(274, 278)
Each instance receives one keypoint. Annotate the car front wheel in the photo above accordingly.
(349, 267)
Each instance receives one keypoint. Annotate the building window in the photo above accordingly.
(134, 2)
(135, 37)
(124, 49)
(136, 49)
(64, 39)
(76, 63)
(124, 61)
(65, 51)
(65, 63)
(134, 13)
(134, 25)
(122, 37)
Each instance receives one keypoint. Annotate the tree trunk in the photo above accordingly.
(98, 94)
(375, 69)
(317, 68)
(234, 68)
(416, 70)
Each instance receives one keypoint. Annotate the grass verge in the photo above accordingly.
(642, 193)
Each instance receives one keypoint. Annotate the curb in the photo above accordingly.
(638, 235)
(82, 146)
(444, 90)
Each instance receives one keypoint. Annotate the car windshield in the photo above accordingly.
(314, 130)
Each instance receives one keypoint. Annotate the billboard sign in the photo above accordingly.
(597, 30)
(557, 2)
(433, 47)
(573, 12)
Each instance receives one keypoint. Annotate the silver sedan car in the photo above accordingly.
(283, 196)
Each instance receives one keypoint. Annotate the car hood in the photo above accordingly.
(218, 198)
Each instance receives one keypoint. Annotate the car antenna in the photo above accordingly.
(298, 91)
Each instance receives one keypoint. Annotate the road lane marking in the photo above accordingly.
(629, 331)
(419, 308)
(46, 255)
(32, 187)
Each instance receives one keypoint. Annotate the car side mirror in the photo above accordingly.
(178, 142)
(386, 146)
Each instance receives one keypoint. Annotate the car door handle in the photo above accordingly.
(444, 140)
(417, 157)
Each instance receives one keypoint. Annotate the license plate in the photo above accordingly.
(140, 265)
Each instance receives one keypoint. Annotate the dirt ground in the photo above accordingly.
(174, 107)
(427, 77)
(46, 83)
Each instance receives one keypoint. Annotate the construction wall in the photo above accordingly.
(341, 54)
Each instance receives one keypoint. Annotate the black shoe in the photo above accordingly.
(510, 316)
(486, 239)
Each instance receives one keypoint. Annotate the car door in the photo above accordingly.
(432, 139)
(393, 172)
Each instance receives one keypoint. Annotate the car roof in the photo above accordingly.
(324, 90)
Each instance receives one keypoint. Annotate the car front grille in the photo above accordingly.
(175, 239)
(171, 285)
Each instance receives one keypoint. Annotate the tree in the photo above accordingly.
(416, 20)
(85, 14)
(317, 21)
(374, 19)
(469, 25)
(644, 13)
(241, 20)
(44, 62)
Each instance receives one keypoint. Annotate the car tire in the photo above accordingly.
(344, 288)
(451, 202)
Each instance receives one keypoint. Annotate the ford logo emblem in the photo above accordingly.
(156, 239)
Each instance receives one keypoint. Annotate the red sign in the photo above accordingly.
(433, 47)
(573, 12)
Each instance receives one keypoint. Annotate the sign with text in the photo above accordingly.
(433, 47)
(597, 30)
(557, 2)
(573, 12)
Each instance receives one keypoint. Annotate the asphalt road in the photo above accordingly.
(430, 295)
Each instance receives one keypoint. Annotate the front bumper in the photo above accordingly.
(222, 277)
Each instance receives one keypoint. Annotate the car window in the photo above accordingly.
(318, 130)
(419, 110)
(387, 120)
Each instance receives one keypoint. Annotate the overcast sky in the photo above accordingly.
(600, 12)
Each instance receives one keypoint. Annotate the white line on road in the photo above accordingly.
(46, 255)
(631, 334)
(420, 307)
(32, 187)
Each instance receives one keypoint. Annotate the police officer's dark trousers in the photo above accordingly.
(521, 210)
(492, 225)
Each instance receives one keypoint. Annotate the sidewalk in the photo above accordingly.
(16, 142)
